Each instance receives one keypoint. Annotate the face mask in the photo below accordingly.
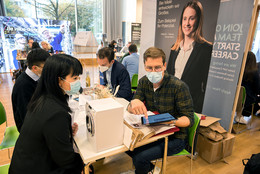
(103, 68)
(154, 77)
(74, 87)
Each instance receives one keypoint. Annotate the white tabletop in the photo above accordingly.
(86, 150)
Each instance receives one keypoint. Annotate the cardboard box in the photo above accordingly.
(212, 151)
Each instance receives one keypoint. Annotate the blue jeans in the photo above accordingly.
(143, 155)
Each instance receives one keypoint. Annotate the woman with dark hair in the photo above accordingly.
(112, 45)
(45, 143)
(251, 83)
(190, 55)
(35, 45)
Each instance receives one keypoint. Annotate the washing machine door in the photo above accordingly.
(90, 124)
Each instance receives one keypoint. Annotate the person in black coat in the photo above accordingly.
(45, 144)
(191, 54)
(26, 83)
(35, 45)
(252, 85)
(112, 45)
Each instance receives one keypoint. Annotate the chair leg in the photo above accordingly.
(191, 159)
(164, 162)
(9, 156)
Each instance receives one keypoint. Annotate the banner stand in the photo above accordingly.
(252, 23)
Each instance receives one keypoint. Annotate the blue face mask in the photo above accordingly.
(154, 77)
(74, 88)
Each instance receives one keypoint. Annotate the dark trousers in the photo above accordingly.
(143, 155)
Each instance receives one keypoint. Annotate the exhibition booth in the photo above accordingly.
(212, 73)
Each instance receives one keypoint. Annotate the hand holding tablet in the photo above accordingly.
(153, 119)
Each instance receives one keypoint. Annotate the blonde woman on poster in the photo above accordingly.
(190, 55)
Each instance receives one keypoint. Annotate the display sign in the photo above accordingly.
(136, 33)
(227, 55)
(15, 33)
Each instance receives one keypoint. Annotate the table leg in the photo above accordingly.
(86, 168)
(165, 155)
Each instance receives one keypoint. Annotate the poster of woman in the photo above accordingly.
(179, 31)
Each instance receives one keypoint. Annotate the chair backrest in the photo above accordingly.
(4, 169)
(2, 114)
(193, 131)
(241, 99)
(134, 81)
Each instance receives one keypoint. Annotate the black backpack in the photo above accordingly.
(253, 164)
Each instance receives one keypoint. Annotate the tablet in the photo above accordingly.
(152, 119)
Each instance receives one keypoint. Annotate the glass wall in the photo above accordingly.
(89, 12)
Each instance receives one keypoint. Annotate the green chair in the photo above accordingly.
(4, 169)
(134, 82)
(239, 108)
(11, 133)
(192, 143)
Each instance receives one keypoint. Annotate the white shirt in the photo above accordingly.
(108, 76)
(31, 74)
(182, 59)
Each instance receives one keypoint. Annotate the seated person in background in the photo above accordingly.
(35, 45)
(166, 94)
(26, 83)
(45, 144)
(251, 83)
(125, 48)
(112, 45)
(114, 73)
(47, 47)
(29, 46)
(100, 46)
(131, 62)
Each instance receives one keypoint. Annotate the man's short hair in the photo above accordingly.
(132, 48)
(154, 53)
(106, 52)
(36, 57)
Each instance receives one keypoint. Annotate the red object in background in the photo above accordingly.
(156, 112)
(203, 117)
(175, 129)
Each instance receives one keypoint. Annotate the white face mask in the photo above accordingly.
(74, 87)
(103, 68)
(154, 77)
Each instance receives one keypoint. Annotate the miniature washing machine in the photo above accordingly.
(104, 120)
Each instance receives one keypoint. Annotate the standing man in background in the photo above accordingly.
(26, 83)
(131, 62)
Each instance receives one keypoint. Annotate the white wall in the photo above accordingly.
(147, 31)
(139, 5)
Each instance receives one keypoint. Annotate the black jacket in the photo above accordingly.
(23, 90)
(45, 143)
